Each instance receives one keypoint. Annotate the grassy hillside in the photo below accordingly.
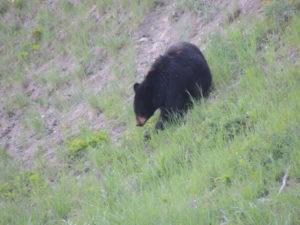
(225, 164)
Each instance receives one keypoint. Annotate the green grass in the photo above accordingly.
(75, 145)
(16, 101)
(206, 8)
(222, 165)
(33, 120)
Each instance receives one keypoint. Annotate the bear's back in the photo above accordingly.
(183, 49)
(178, 55)
(182, 67)
(187, 68)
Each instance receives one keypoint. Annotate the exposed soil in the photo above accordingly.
(164, 25)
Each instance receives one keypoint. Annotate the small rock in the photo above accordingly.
(30, 92)
(77, 173)
(158, 3)
(55, 123)
(61, 35)
(176, 15)
(49, 131)
(1, 48)
(94, 14)
(193, 204)
(143, 39)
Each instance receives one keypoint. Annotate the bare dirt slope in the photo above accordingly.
(165, 24)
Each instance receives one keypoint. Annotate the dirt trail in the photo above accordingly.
(166, 24)
(156, 33)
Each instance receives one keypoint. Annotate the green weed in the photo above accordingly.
(205, 7)
(17, 101)
(37, 34)
(280, 12)
(67, 6)
(34, 121)
(19, 3)
(95, 102)
(4, 6)
(52, 79)
(87, 139)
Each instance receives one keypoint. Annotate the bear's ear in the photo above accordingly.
(135, 86)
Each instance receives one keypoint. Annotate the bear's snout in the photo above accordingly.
(140, 121)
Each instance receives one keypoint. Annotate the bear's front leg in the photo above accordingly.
(159, 125)
(163, 118)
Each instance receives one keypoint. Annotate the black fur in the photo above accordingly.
(181, 73)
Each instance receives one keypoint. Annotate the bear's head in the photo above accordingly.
(143, 103)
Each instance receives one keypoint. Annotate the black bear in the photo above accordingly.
(181, 73)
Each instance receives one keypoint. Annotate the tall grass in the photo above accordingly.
(223, 165)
